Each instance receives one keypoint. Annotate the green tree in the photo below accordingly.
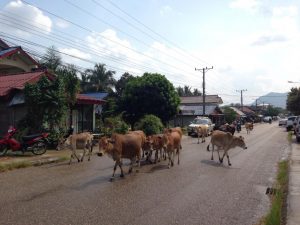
(150, 124)
(196, 92)
(71, 82)
(46, 103)
(52, 59)
(149, 94)
(272, 111)
(121, 83)
(230, 114)
(293, 101)
(99, 79)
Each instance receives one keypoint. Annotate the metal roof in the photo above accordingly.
(199, 99)
(196, 110)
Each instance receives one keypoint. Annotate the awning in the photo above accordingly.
(88, 100)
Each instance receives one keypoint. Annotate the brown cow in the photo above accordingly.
(225, 141)
(156, 143)
(202, 131)
(81, 141)
(142, 135)
(249, 127)
(172, 144)
(174, 129)
(121, 146)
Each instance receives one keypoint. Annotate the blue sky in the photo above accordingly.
(252, 44)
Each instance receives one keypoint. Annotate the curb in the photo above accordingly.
(41, 162)
(293, 202)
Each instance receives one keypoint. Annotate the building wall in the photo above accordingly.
(10, 116)
(14, 64)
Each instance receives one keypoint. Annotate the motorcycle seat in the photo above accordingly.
(29, 137)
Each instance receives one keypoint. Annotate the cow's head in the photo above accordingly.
(105, 145)
(63, 143)
(148, 145)
(241, 142)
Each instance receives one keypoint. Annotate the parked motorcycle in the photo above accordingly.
(35, 143)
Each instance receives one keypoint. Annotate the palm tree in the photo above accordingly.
(100, 78)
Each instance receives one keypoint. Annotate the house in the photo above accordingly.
(192, 106)
(18, 68)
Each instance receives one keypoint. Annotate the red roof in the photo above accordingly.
(83, 99)
(18, 81)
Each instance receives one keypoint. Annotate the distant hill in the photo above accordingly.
(273, 98)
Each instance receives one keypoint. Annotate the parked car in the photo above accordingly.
(282, 121)
(297, 128)
(290, 123)
(196, 122)
(267, 119)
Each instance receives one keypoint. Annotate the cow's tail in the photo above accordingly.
(207, 148)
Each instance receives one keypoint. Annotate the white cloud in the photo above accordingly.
(165, 10)
(248, 5)
(16, 11)
(62, 24)
(73, 52)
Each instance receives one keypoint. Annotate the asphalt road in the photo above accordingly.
(198, 191)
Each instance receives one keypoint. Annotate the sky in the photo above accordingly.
(252, 45)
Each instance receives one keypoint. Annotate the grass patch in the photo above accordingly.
(277, 213)
(15, 165)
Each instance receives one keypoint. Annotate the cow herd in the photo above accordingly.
(135, 145)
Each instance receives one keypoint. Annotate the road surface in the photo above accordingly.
(198, 191)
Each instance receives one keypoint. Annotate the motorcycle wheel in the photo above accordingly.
(3, 150)
(39, 148)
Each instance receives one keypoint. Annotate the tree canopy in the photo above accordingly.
(293, 101)
(186, 91)
(149, 94)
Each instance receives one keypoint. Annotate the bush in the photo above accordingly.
(114, 125)
(150, 124)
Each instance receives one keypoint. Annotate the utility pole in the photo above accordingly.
(241, 96)
(203, 85)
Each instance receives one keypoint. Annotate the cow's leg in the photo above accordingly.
(71, 158)
(131, 164)
(219, 153)
(90, 152)
(212, 152)
(114, 171)
(138, 157)
(173, 157)
(225, 152)
(229, 164)
(169, 157)
(156, 156)
(178, 157)
(121, 168)
(198, 137)
(84, 151)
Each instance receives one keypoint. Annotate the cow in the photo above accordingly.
(157, 143)
(225, 141)
(142, 135)
(81, 141)
(174, 129)
(249, 127)
(121, 146)
(202, 130)
(172, 144)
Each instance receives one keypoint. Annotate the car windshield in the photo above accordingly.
(200, 121)
(291, 118)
